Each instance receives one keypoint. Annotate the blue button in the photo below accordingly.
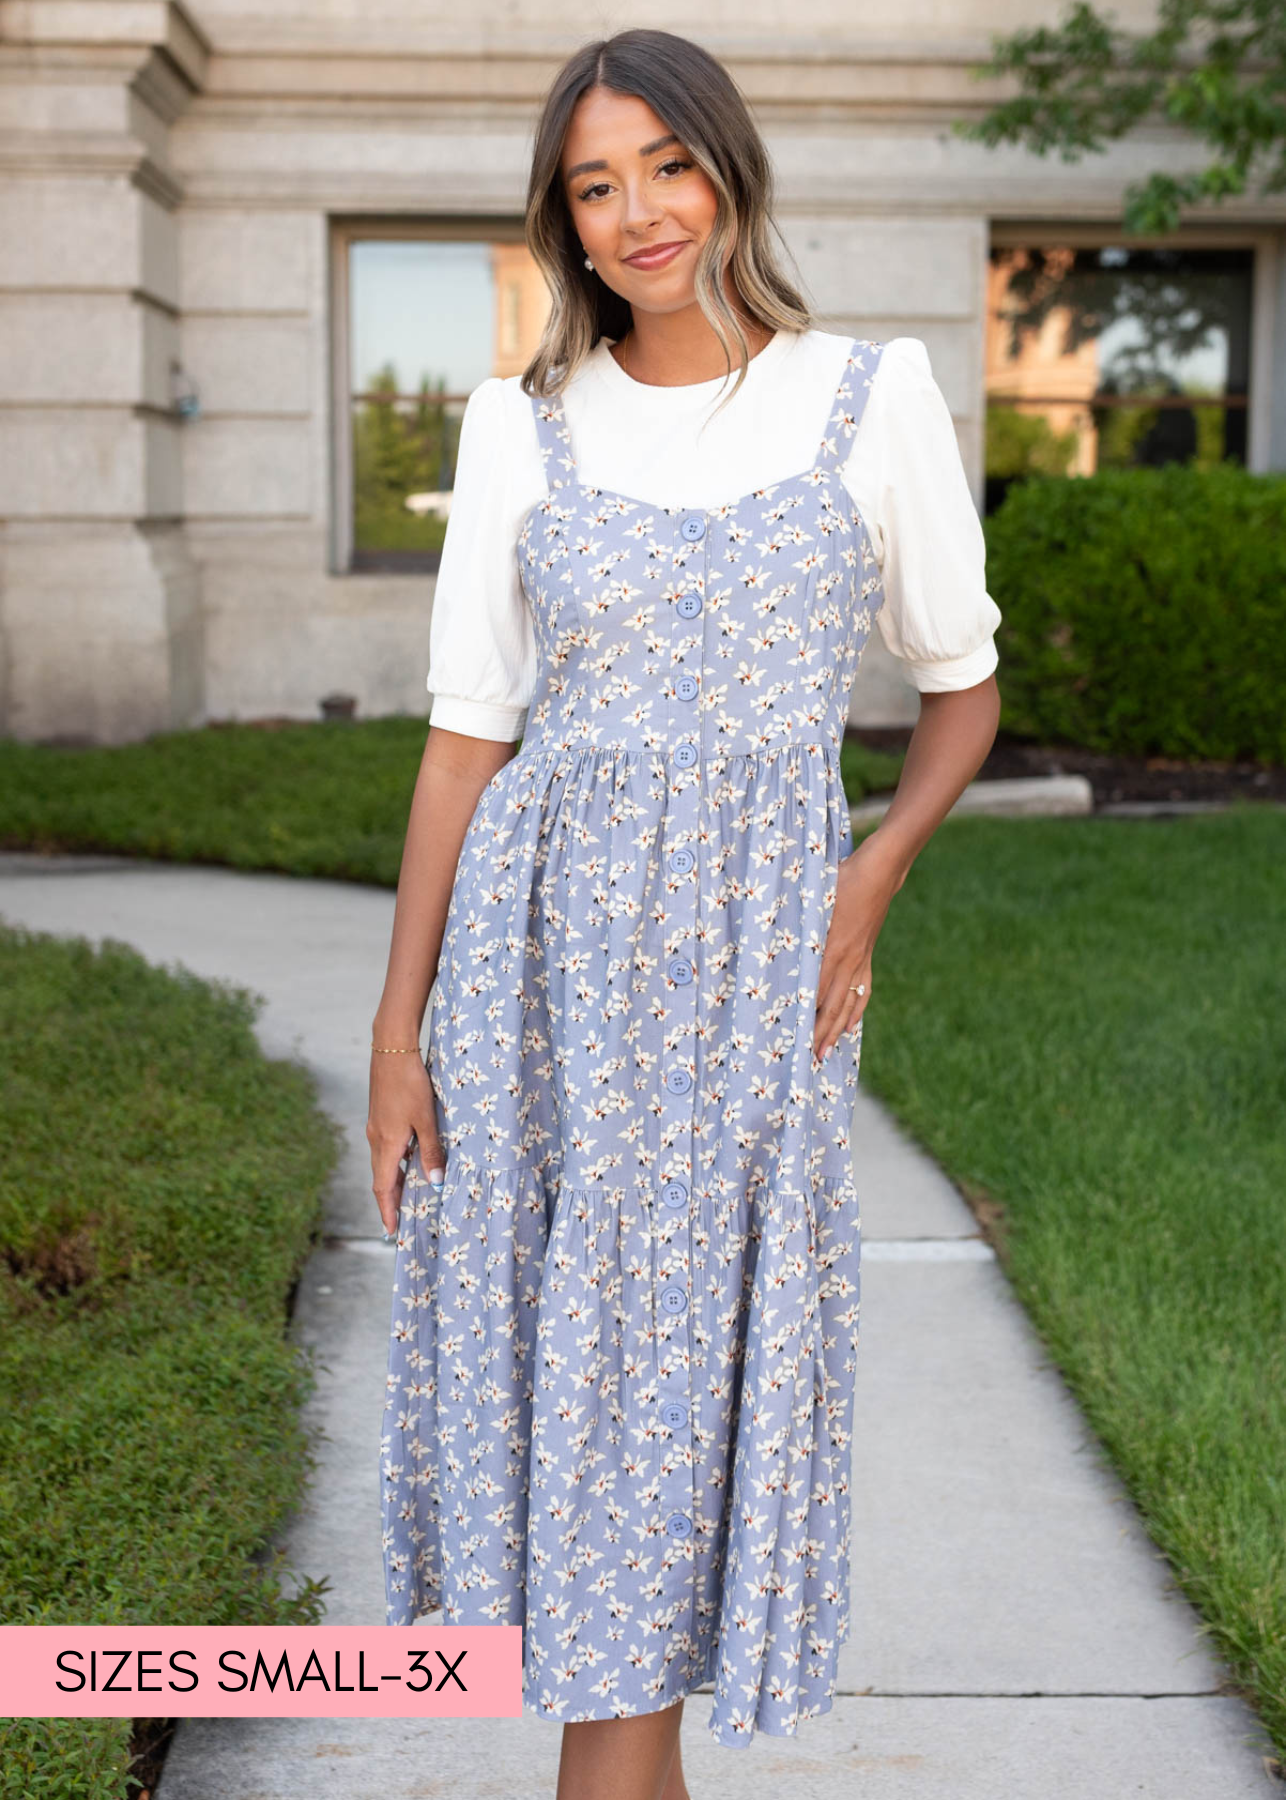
(693, 529)
(687, 687)
(689, 605)
(685, 754)
(674, 1414)
(679, 1525)
(678, 1081)
(681, 861)
(674, 1300)
(681, 970)
(675, 1193)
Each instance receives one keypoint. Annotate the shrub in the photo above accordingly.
(1144, 611)
(161, 1189)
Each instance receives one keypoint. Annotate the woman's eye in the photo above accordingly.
(675, 162)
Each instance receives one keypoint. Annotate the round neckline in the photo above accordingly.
(615, 376)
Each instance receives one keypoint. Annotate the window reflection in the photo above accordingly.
(428, 320)
(1114, 357)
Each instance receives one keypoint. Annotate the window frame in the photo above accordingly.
(1263, 245)
(343, 230)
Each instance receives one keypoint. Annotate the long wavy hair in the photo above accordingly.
(697, 99)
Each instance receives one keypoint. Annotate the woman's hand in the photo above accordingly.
(952, 736)
(401, 1103)
(866, 882)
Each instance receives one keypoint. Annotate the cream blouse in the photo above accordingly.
(904, 473)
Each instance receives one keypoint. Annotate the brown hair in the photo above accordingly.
(697, 99)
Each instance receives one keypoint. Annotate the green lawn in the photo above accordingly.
(160, 1190)
(1084, 1021)
(314, 799)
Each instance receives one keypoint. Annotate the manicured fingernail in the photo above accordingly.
(436, 1176)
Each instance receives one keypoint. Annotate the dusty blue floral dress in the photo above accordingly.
(624, 1331)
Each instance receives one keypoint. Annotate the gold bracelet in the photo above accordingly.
(395, 1050)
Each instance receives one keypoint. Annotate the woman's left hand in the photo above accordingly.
(865, 886)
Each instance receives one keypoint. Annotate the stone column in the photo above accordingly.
(100, 614)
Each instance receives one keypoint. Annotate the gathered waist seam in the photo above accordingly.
(660, 754)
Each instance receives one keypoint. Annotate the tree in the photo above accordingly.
(1215, 67)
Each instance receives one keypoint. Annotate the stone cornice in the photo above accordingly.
(851, 76)
(146, 26)
(161, 85)
(152, 48)
(88, 153)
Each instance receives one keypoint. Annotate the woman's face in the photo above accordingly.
(631, 186)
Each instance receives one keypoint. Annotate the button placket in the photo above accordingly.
(674, 1296)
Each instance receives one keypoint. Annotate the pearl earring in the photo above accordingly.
(588, 263)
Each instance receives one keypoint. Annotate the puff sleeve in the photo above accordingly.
(937, 616)
(482, 654)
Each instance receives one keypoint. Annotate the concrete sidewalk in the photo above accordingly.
(1015, 1632)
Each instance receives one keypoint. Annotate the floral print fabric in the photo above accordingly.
(625, 1328)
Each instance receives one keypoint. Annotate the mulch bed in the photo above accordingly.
(150, 1741)
(1112, 778)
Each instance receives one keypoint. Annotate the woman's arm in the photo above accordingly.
(454, 770)
(482, 669)
(949, 745)
(953, 734)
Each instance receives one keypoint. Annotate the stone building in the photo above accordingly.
(252, 260)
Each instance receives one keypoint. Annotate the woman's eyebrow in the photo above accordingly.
(583, 168)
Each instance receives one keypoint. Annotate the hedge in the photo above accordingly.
(1144, 611)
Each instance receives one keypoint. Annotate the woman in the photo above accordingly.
(626, 1293)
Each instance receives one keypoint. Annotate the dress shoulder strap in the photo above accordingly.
(555, 440)
(849, 402)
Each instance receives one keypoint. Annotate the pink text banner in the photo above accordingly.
(259, 1672)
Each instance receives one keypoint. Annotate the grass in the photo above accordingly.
(1084, 1021)
(161, 1189)
(312, 799)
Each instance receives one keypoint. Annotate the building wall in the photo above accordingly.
(171, 180)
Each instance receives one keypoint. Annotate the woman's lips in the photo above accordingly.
(658, 258)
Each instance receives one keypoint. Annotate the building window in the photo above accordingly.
(1115, 357)
(420, 319)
